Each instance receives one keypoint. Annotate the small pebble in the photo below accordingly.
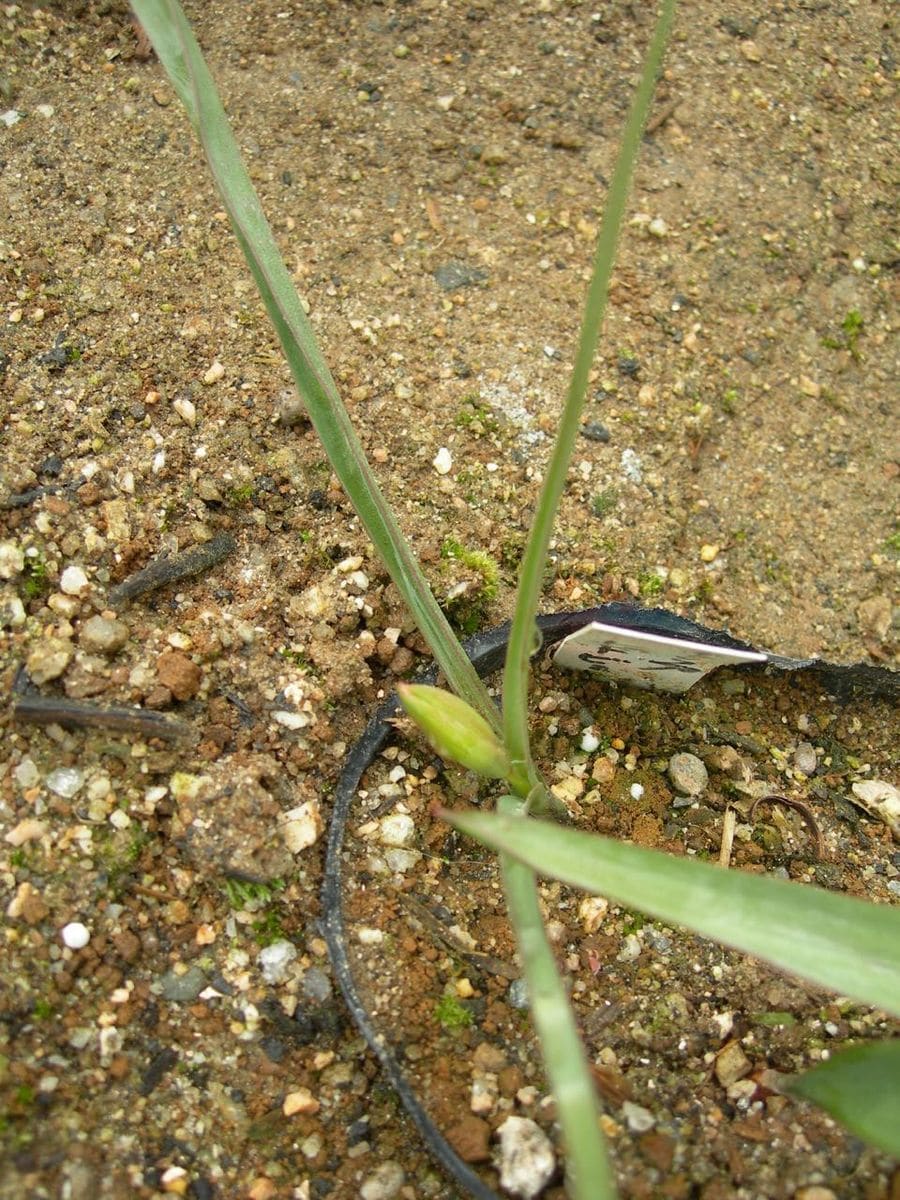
(637, 1118)
(301, 1101)
(214, 374)
(75, 935)
(709, 552)
(805, 759)
(300, 827)
(49, 659)
(384, 1182)
(397, 829)
(182, 989)
(27, 830)
(186, 409)
(526, 1159)
(65, 782)
(687, 774)
(275, 960)
(12, 560)
(316, 985)
(73, 581)
(443, 461)
(103, 635)
(589, 741)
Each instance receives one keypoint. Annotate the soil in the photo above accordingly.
(434, 174)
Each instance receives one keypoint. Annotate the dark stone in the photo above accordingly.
(159, 1066)
(629, 367)
(273, 1048)
(51, 467)
(452, 275)
(318, 500)
(358, 1131)
(595, 432)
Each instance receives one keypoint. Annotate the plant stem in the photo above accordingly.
(168, 29)
(522, 634)
(588, 1173)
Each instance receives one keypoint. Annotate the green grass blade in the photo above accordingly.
(168, 29)
(521, 641)
(831, 940)
(861, 1088)
(588, 1173)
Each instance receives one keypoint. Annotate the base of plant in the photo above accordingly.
(679, 1029)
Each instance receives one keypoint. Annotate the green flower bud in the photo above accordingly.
(455, 730)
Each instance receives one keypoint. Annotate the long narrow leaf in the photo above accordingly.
(167, 27)
(589, 1175)
(835, 941)
(521, 637)
(861, 1088)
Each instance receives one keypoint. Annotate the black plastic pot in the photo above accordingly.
(487, 653)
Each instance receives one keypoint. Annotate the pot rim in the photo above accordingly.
(486, 651)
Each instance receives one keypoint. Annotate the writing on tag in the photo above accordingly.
(647, 660)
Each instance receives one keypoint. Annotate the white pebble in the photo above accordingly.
(214, 374)
(65, 782)
(12, 560)
(589, 741)
(527, 1162)
(186, 409)
(658, 227)
(443, 461)
(275, 960)
(398, 829)
(73, 581)
(636, 790)
(75, 935)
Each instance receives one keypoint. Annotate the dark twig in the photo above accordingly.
(163, 570)
(51, 710)
(803, 809)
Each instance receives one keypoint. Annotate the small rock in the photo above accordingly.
(301, 1101)
(275, 960)
(27, 905)
(12, 560)
(526, 1160)
(214, 374)
(179, 674)
(452, 275)
(709, 552)
(815, 1192)
(12, 610)
(658, 228)
(75, 935)
(805, 759)
(637, 1118)
(594, 431)
(881, 799)
(300, 827)
(494, 156)
(73, 581)
(182, 988)
(65, 781)
(316, 985)
(732, 1064)
(750, 52)
(186, 409)
(103, 635)
(470, 1138)
(687, 774)
(443, 461)
(49, 659)
(28, 830)
(397, 829)
(384, 1182)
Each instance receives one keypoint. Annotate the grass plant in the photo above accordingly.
(830, 940)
